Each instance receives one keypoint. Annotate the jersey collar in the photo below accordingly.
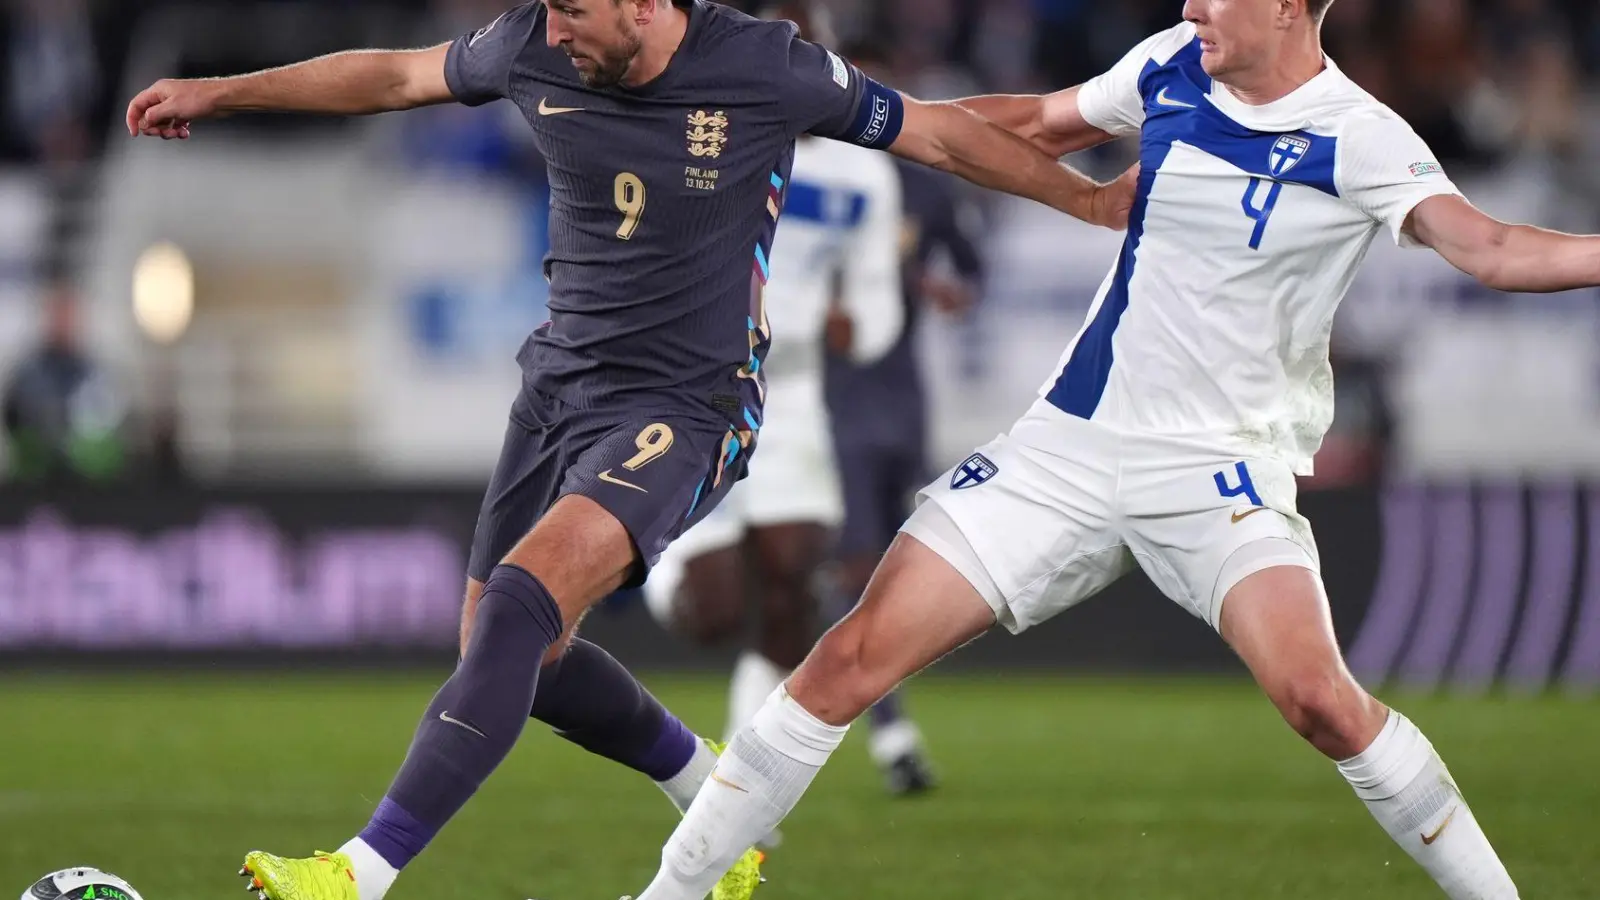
(1291, 112)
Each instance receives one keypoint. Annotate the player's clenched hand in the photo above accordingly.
(1113, 202)
(166, 108)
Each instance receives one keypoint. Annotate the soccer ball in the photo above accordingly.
(81, 883)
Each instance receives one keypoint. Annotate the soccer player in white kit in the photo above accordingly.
(1171, 434)
(836, 263)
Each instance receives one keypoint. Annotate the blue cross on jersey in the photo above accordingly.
(975, 471)
(1287, 153)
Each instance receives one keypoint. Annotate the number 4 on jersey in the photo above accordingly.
(1260, 209)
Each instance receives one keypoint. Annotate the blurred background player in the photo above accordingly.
(835, 280)
(879, 410)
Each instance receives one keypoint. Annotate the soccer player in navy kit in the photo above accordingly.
(668, 129)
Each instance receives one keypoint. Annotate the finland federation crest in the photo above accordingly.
(1286, 154)
(975, 471)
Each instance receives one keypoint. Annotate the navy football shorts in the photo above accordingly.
(656, 471)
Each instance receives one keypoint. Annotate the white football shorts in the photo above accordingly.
(1045, 517)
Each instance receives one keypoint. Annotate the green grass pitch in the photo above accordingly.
(1052, 788)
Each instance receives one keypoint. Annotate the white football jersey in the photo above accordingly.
(839, 235)
(1249, 225)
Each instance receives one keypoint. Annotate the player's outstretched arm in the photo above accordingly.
(1051, 122)
(1513, 258)
(950, 137)
(358, 82)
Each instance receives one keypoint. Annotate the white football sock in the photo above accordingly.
(759, 778)
(374, 875)
(682, 787)
(1411, 794)
(754, 679)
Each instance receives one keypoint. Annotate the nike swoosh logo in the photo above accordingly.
(1241, 516)
(1428, 839)
(545, 109)
(608, 478)
(1164, 100)
(720, 780)
(445, 717)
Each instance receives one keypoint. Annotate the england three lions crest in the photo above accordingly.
(708, 133)
(1286, 154)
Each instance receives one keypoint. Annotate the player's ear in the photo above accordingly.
(644, 11)
(1285, 12)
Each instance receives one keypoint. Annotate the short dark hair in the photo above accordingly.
(1318, 8)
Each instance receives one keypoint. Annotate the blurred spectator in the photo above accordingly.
(1443, 89)
(53, 77)
(63, 415)
(1546, 84)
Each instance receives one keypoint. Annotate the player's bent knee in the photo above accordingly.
(559, 648)
(835, 683)
(1330, 711)
(469, 611)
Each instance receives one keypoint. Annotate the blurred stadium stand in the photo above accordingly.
(308, 320)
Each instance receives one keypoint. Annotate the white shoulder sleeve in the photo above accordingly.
(1111, 102)
(1386, 169)
(871, 285)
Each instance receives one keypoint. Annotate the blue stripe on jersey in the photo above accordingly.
(1082, 383)
(1296, 157)
(695, 503)
(827, 206)
(761, 260)
(1187, 116)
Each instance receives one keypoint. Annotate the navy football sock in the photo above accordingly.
(592, 701)
(474, 720)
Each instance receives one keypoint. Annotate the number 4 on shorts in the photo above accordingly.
(1246, 487)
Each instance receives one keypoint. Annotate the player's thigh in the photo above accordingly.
(1032, 532)
(580, 551)
(916, 609)
(1200, 526)
(1277, 620)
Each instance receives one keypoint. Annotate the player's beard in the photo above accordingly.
(612, 66)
